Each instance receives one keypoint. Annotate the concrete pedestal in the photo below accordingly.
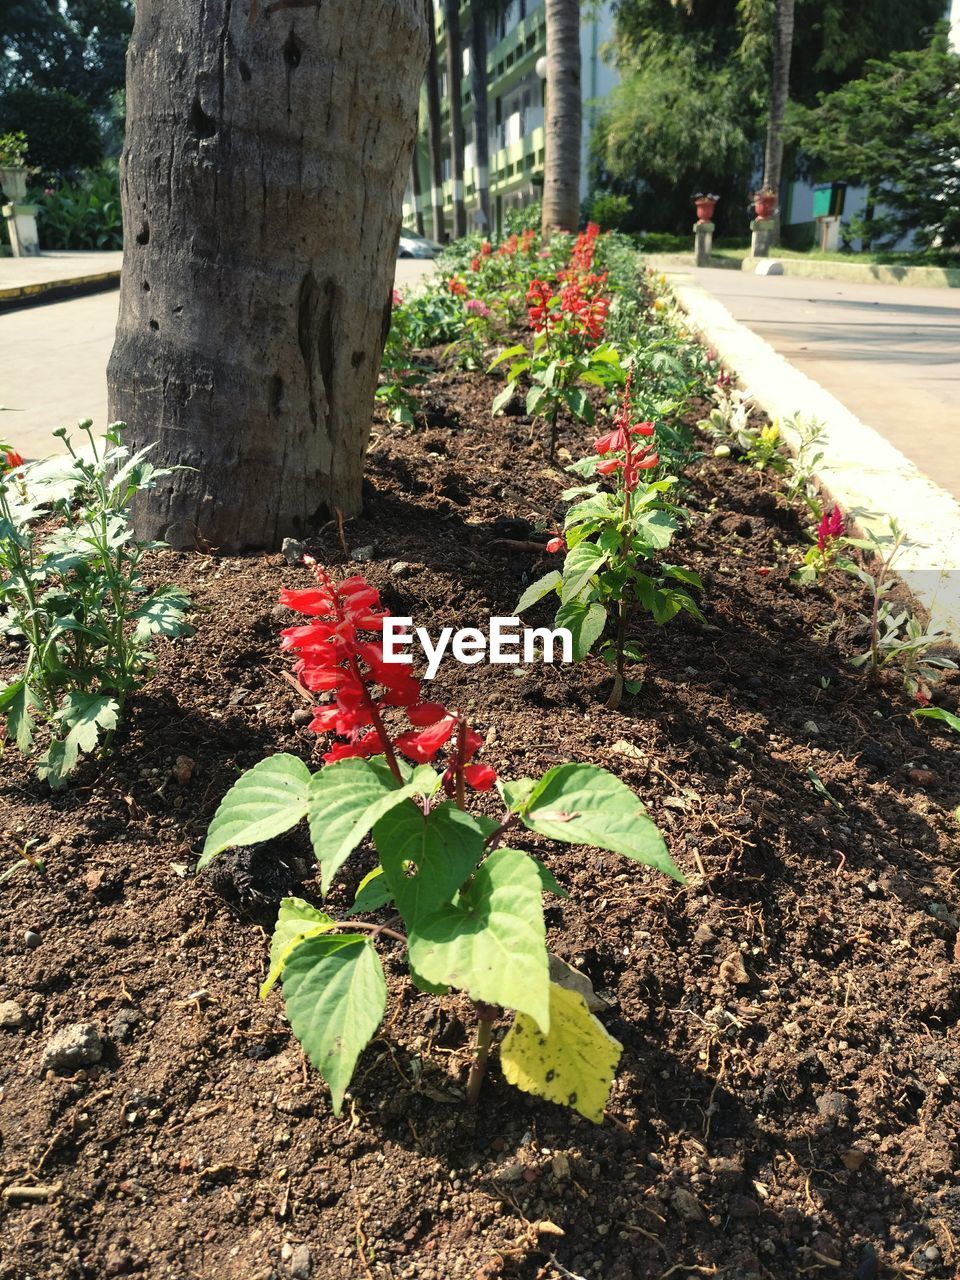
(703, 242)
(762, 236)
(829, 233)
(22, 229)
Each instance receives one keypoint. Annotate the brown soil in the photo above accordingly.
(786, 1103)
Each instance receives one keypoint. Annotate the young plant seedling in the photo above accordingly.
(465, 905)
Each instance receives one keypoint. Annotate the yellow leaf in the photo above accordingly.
(574, 1064)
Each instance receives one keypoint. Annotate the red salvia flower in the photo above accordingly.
(457, 287)
(13, 459)
(341, 655)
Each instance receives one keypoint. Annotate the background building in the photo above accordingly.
(516, 40)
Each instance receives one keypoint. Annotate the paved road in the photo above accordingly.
(890, 353)
(53, 360)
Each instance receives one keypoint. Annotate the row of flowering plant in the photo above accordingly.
(567, 314)
(452, 890)
(614, 536)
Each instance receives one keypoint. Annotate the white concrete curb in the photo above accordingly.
(861, 470)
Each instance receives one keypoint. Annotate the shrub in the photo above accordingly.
(608, 211)
(85, 214)
(62, 133)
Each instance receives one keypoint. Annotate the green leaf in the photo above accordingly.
(57, 762)
(335, 996)
(373, 892)
(427, 857)
(492, 943)
(516, 794)
(86, 715)
(347, 798)
(503, 399)
(578, 404)
(163, 614)
(269, 799)
(657, 529)
(535, 398)
(296, 921)
(938, 713)
(584, 804)
(18, 701)
(585, 622)
(583, 562)
(508, 354)
(537, 590)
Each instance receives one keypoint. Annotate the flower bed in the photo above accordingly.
(783, 1094)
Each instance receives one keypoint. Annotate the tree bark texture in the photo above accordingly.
(435, 131)
(451, 14)
(267, 150)
(779, 93)
(564, 111)
(417, 190)
(478, 88)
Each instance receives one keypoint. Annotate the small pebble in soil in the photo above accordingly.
(743, 1207)
(12, 1015)
(122, 1024)
(811, 727)
(31, 939)
(922, 777)
(301, 1263)
(292, 550)
(834, 1106)
(78, 1045)
(400, 569)
(687, 1205)
(182, 770)
(301, 717)
(363, 554)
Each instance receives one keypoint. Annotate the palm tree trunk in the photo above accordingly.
(561, 184)
(451, 11)
(267, 151)
(478, 84)
(434, 131)
(417, 188)
(779, 94)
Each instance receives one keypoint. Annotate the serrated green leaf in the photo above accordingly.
(516, 793)
(584, 804)
(297, 921)
(347, 798)
(86, 715)
(19, 702)
(57, 762)
(537, 590)
(335, 996)
(582, 563)
(427, 857)
(373, 892)
(492, 943)
(269, 799)
(657, 529)
(585, 622)
(163, 614)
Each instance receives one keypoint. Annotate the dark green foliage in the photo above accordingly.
(690, 108)
(77, 46)
(62, 134)
(898, 131)
(85, 214)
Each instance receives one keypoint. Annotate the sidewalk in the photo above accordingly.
(893, 367)
(56, 274)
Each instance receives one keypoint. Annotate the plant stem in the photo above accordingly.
(486, 1016)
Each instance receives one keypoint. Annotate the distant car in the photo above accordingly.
(413, 245)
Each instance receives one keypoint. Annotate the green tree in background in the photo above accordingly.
(698, 76)
(75, 46)
(897, 130)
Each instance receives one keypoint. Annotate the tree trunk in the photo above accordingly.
(417, 189)
(434, 131)
(478, 86)
(451, 12)
(561, 179)
(779, 93)
(267, 149)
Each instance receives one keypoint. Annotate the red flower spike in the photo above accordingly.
(340, 653)
(13, 459)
